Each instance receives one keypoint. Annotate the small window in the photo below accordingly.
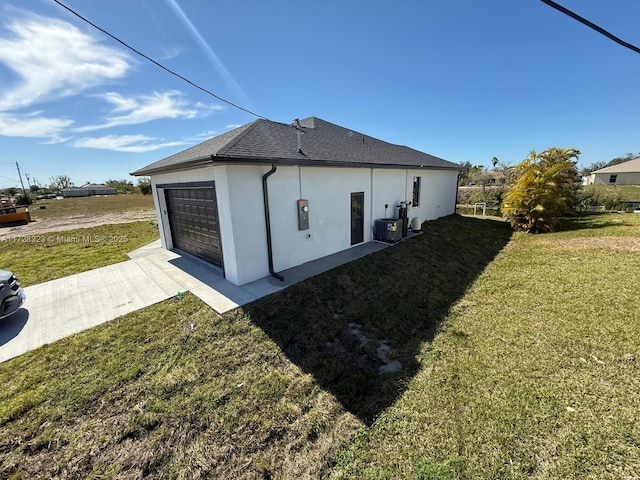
(613, 178)
(416, 192)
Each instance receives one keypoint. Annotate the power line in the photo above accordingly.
(591, 25)
(157, 63)
(9, 178)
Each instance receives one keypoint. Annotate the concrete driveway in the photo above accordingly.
(63, 307)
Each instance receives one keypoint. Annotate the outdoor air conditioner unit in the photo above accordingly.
(388, 230)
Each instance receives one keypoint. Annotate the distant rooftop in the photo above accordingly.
(632, 166)
(88, 186)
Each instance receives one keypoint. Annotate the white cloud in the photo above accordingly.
(169, 53)
(50, 59)
(201, 137)
(57, 139)
(53, 59)
(125, 143)
(145, 108)
(33, 125)
(233, 125)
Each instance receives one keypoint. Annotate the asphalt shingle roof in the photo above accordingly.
(625, 167)
(322, 143)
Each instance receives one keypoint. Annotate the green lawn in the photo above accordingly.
(512, 351)
(41, 257)
(527, 377)
(90, 206)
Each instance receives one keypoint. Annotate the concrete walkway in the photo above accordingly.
(59, 308)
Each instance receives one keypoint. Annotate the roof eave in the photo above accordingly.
(198, 162)
(231, 160)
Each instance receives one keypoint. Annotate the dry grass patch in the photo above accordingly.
(83, 207)
(63, 214)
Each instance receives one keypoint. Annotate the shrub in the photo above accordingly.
(121, 186)
(464, 194)
(492, 195)
(609, 199)
(24, 199)
(144, 184)
(543, 190)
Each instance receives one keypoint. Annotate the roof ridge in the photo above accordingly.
(234, 141)
(227, 148)
(365, 135)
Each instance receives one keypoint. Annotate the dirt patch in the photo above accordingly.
(77, 221)
(614, 243)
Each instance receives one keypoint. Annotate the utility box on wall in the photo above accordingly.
(303, 214)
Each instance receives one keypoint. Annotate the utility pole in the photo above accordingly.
(28, 180)
(20, 177)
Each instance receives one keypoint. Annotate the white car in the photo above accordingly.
(11, 294)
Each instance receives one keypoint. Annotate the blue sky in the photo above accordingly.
(465, 80)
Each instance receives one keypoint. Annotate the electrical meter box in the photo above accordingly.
(303, 214)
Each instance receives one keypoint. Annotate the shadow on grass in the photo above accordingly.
(590, 221)
(350, 326)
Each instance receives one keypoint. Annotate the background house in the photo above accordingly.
(626, 173)
(269, 196)
(88, 190)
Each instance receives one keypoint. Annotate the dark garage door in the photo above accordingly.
(193, 215)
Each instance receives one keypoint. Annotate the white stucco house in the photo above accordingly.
(88, 190)
(625, 173)
(269, 196)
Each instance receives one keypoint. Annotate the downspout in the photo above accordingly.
(455, 201)
(406, 184)
(265, 194)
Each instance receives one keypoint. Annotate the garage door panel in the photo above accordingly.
(194, 222)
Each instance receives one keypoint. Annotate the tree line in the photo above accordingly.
(481, 175)
(535, 194)
(615, 161)
(59, 182)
